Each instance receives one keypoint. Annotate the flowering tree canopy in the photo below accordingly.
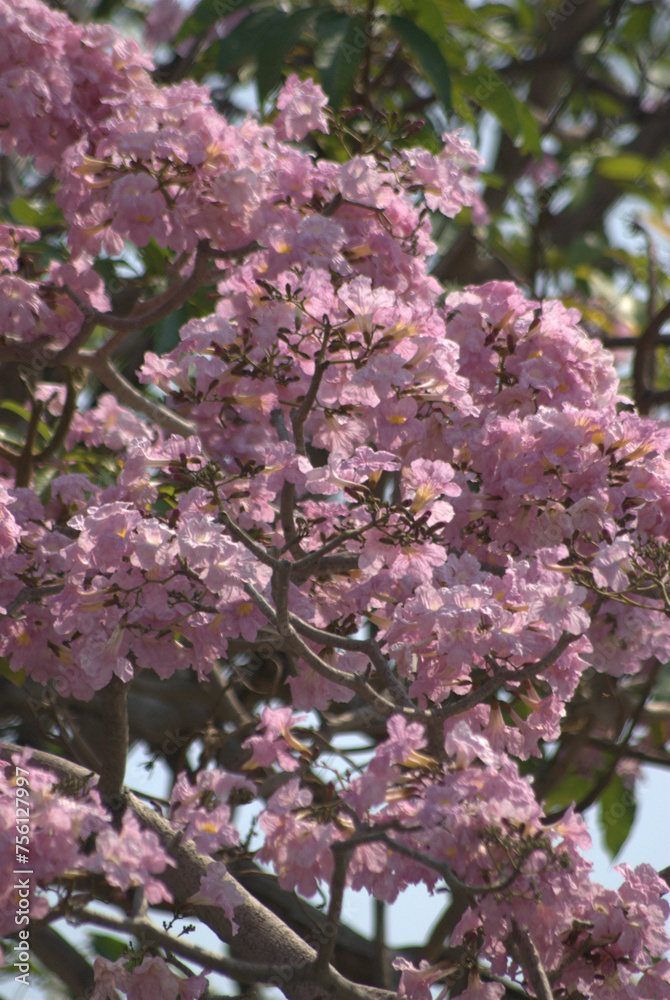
(371, 545)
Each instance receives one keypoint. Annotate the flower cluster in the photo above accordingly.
(61, 830)
(433, 517)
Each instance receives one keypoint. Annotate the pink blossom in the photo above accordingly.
(273, 744)
(465, 746)
(163, 21)
(10, 240)
(131, 858)
(139, 209)
(365, 302)
(300, 104)
(154, 980)
(415, 982)
(217, 888)
(611, 565)
(107, 423)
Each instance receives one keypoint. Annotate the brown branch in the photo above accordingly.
(129, 396)
(64, 421)
(451, 879)
(523, 948)
(145, 929)
(61, 958)
(626, 343)
(644, 366)
(113, 748)
(28, 594)
(341, 853)
(258, 927)
(281, 581)
(491, 684)
(293, 642)
(72, 349)
(150, 312)
(24, 464)
(286, 511)
(240, 535)
(634, 753)
(299, 415)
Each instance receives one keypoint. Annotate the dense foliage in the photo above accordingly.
(386, 561)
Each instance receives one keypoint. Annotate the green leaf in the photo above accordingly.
(616, 813)
(105, 8)
(662, 690)
(628, 167)
(343, 40)
(638, 25)
(280, 35)
(207, 13)
(109, 947)
(529, 131)
(154, 259)
(428, 56)
(21, 411)
(427, 15)
(226, 54)
(26, 214)
(571, 789)
(17, 677)
(486, 88)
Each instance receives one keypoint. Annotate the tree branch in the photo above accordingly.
(257, 927)
(113, 748)
(522, 946)
(129, 396)
(644, 363)
(293, 641)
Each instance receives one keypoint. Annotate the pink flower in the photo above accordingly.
(10, 531)
(298, 847)
(154, 980)
(108, 423)
(140, 209)
(415, 982)
(301, 104)
(217, 888)
(612, 564)
(465, 746)
(272, 745)
(131, 858)
(431, 481)
(365, 302)
(10, 240)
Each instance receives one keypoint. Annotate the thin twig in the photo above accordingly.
(145, 929)
(240, 535)
(452, 880)
(64, 421)
(355, 682)
(129, 396)
(281, 582)
(24, 465)
(341, 854)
